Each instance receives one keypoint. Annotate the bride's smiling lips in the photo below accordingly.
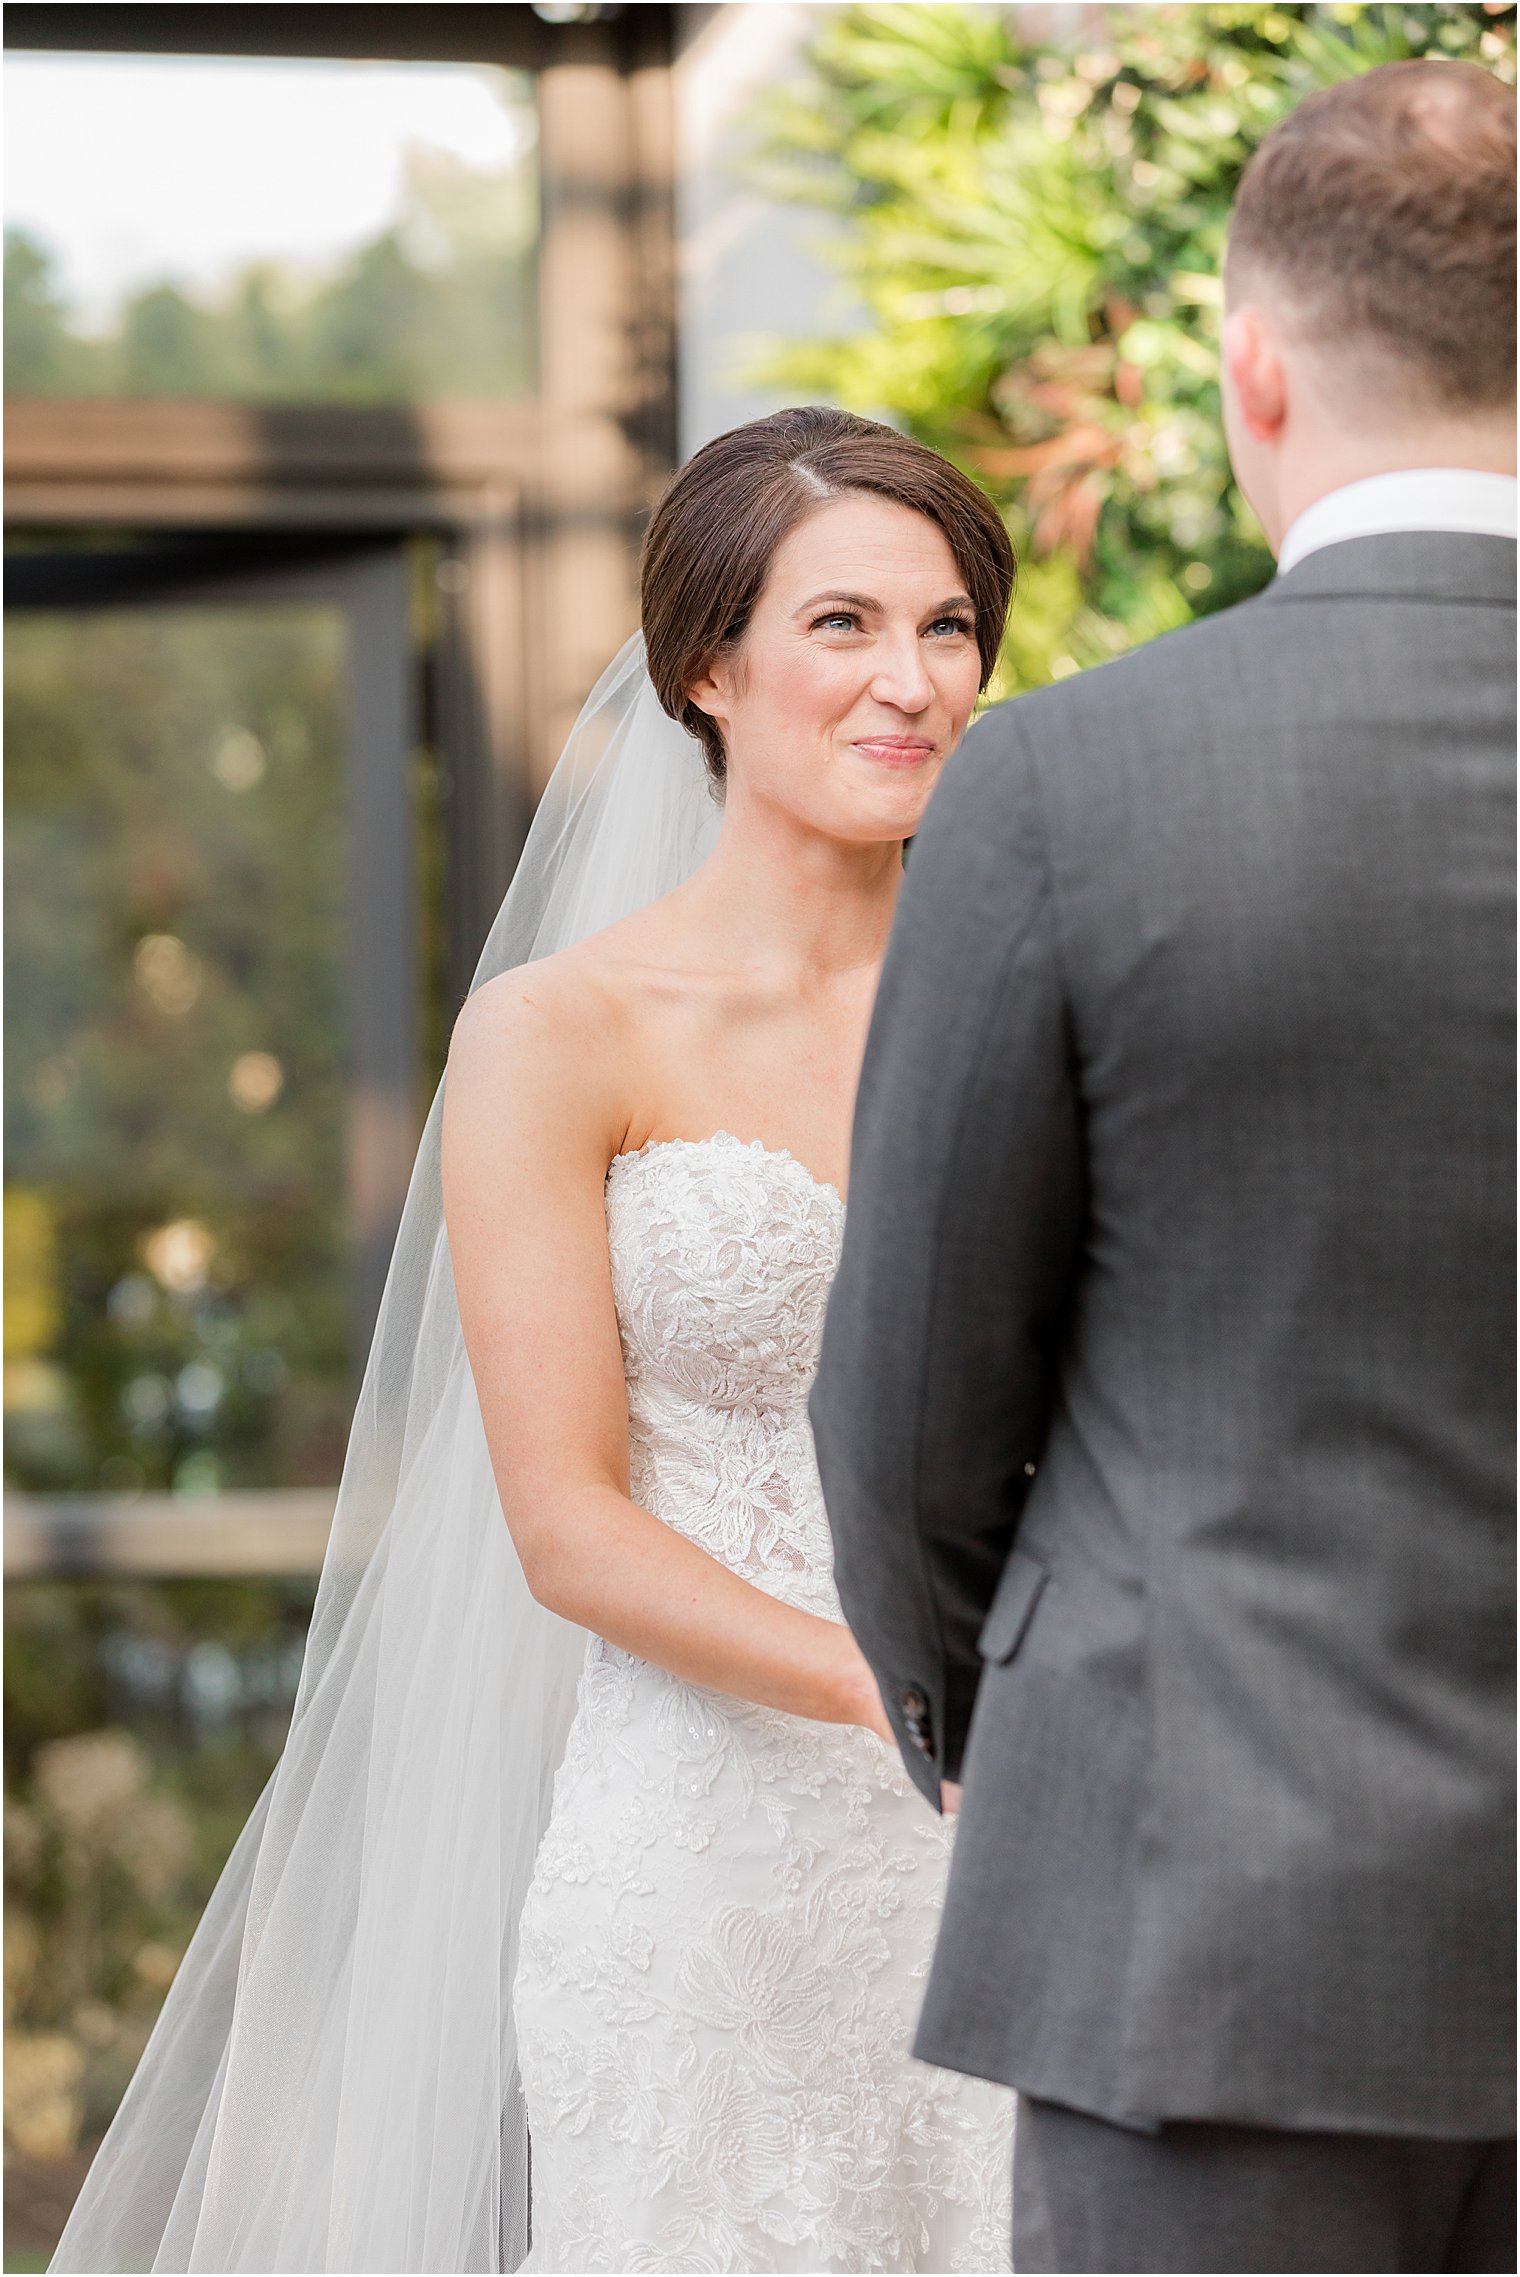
(895, 750)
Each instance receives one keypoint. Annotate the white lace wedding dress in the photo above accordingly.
(726, 1941)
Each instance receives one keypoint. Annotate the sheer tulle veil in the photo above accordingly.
(333, 2081)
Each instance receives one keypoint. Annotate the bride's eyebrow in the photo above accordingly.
(838, 600)
(864, 601)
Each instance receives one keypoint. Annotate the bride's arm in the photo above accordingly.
(529, 1126)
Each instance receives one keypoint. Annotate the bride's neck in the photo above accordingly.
(775, 892)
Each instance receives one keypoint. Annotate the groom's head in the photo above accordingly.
(1370, 287)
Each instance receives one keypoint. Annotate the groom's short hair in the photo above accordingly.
(1383, 209)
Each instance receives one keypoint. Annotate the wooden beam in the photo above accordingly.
(151, 464)
(517, 37)
(607, 358)
(168, 1534)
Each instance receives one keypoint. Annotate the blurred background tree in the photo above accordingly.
(176, 1261)
(441, 304)
(141, 1722)
(1034, 234)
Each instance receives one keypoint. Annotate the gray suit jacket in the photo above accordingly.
(1165, 1406)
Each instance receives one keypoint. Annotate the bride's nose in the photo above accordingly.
(900, 678)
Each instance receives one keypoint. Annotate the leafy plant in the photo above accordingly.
(1032, 232)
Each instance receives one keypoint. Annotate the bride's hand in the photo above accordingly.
(862, 1694)
(867, 1709)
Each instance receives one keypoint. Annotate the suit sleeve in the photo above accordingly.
(961, 1242)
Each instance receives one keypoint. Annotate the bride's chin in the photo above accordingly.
(868, 808)
(880, 829)
(895, 811)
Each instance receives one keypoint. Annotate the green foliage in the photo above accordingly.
(1033, 236)
(128, 1778)
(440, 305)
(39, 345)
(177, 1283)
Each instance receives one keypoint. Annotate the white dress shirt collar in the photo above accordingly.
(1414, 498)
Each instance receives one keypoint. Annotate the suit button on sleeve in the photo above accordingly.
(916, 1720)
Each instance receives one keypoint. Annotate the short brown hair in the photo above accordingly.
(1385, 207)
(715, 532)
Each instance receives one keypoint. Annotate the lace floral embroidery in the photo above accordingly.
(733, 1910)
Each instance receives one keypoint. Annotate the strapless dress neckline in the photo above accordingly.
(726, 1139)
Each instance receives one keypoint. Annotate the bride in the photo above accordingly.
(591, 1892)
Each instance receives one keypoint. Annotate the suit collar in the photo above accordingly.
(1417, 565)
(1405, 498)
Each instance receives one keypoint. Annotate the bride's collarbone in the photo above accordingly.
(700, 1056)
(781, 1108)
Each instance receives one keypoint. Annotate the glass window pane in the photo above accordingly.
(301, 231)
(177, 1249)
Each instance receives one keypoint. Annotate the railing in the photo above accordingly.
(282, 1531)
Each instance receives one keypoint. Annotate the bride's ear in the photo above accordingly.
(710, 691)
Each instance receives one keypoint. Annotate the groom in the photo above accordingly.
(1165, 1406)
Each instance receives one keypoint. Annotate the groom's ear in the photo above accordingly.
(1254, 373)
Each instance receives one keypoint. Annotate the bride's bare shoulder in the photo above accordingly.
(552, 1043)
(585, 994)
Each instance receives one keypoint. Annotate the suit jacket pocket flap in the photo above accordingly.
(1019, 1585)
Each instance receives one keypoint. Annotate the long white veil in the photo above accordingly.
(333, 2081)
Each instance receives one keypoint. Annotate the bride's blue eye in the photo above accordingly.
(953, 624)
(845, 617)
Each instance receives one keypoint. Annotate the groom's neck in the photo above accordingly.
(1330, 458)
